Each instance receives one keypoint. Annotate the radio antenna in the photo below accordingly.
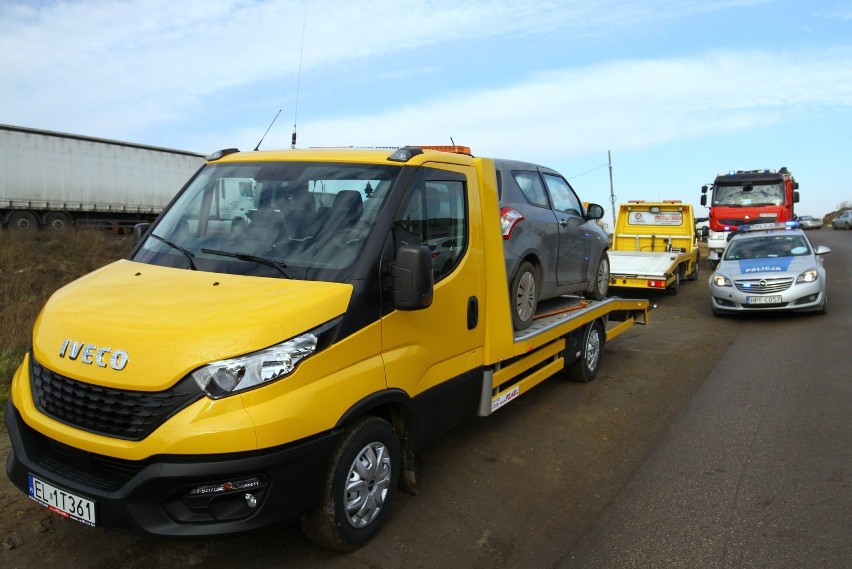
(299, 76)
(267, 130)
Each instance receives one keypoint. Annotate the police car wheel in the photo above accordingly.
(359, 487)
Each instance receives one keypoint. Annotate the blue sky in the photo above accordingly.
(676, 90)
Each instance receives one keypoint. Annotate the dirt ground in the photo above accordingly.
(516, 489)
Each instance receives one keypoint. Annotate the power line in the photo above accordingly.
(588, 171)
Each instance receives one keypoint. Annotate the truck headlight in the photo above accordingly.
(226, 377)
(808, 276)
(721, 280)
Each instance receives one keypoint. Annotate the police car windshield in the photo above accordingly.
(767, 247)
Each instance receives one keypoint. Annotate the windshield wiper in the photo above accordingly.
(186, 252)
(251, 258)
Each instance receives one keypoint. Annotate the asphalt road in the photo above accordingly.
(704, 442)
(755, 471)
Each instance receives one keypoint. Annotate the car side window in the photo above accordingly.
(436, 217)
(531, 187)
(564, 198)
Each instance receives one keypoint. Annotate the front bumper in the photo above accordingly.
(805, 297)
(152, 497)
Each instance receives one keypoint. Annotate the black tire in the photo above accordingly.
(673, 288)
(57, 221)
(364, 471)
(693, 276)
(23, 221)
(599, 286)
(586, 368)
(524, 293)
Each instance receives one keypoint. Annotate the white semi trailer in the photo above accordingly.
(53, 180)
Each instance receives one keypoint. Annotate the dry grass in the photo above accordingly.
(32, 267)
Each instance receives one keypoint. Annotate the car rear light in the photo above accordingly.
(509, 218)
(657, 284)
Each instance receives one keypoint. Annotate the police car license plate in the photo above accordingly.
(763, 299)
(62, 502)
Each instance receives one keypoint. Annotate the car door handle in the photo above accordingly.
(563, 222)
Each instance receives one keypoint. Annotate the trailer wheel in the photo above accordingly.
(23, 221)
(57, 221)
(599, 287)
(586, 368)
(524, 299)
(359, 487)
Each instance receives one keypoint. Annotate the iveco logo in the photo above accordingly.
(92, 354)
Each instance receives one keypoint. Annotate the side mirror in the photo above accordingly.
(795, 197)
(705, 232)
(822, 250)
(412, 278)
(139, 231)
(594, 211)
(704, 200)
(704, 189)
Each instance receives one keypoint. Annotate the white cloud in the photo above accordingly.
(113, 67)
(624, 104)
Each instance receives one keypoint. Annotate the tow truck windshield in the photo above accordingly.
(257, 218)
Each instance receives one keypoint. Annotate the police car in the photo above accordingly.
(767, 267)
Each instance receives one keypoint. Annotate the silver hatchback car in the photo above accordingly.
(769, 267)
(552, 243)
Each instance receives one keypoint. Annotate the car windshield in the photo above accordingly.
(749, 195)
(767, 247)
(279, 219)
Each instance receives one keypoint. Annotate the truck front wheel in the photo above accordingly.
(359, 487)
(586, 368)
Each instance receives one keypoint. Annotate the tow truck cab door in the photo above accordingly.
(433, 353)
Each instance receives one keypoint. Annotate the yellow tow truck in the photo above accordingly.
(654, 246)
(225, 378)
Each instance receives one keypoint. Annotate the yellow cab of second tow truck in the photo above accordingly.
(236, 372)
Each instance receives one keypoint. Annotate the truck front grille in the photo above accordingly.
(763, 286)
(119, 413)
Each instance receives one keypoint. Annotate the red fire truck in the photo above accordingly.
(747, 196)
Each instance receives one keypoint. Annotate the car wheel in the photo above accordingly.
(359, 487)
(586, 368)
(524, 295)
(600, 285)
